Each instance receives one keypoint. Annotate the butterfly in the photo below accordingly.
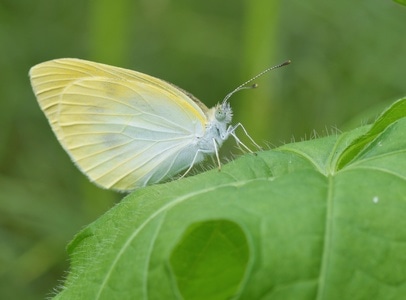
(125, 129)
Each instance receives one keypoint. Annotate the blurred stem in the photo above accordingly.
(109, 28)
(109, 40)
(259, 32)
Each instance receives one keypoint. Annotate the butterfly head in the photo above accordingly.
(223, 113)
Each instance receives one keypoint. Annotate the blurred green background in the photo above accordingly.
(348, 62)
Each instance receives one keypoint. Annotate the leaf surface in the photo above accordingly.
(321, 219)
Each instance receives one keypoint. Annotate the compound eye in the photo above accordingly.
(220, 115)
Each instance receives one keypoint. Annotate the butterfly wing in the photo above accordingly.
(122, 128)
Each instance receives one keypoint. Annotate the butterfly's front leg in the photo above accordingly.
(231, 130)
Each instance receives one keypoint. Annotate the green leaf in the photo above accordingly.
(321, 219)
(388, 117)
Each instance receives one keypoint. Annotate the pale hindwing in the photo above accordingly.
(122, 131)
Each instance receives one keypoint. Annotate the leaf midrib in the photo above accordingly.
(327, 241)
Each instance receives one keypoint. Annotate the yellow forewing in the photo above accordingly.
(123, 129)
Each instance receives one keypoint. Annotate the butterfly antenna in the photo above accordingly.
(244, 85)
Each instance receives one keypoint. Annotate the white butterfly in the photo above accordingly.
(125, 129)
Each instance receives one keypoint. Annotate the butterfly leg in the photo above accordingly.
(232, 129)
(239, 143)
(191, 164)
(217, 153)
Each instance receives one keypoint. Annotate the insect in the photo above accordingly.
(125, 129)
